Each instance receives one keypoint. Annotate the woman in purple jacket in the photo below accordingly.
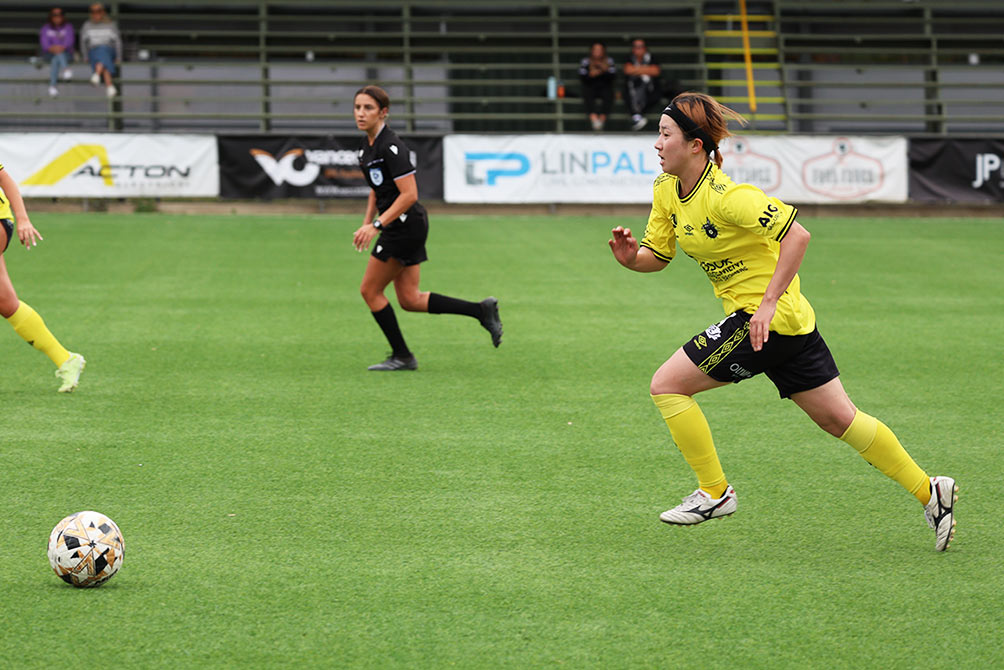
(57, 38)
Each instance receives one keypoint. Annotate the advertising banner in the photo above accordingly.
(111, 165)
(819, 170)
(269, 167)
(970, 171)
(621, 169)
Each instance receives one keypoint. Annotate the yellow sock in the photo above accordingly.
(878, 445)
(29, 325)
(693, 437)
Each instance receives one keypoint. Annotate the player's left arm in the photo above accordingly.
(790, 256)
(25, 231)
(407, 196)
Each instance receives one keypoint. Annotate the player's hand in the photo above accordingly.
(624, 246)
(362, 238)
(27, 234)
(760, 324)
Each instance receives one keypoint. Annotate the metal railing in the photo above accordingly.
(923, 68)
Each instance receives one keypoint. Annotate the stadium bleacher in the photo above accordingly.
(927, 68)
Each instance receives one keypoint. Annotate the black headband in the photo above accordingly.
(690, 128)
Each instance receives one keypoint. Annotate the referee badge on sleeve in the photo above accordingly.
(376, 176)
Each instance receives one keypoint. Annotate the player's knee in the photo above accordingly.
(662, 384)
(369, 293)
(410, 303)
(834, 423)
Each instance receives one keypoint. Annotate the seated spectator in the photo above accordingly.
(597, 73)
(642, 84)
(102, 47)
(56, 38)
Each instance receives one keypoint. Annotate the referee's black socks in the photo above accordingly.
(441, 304)
(388, 324)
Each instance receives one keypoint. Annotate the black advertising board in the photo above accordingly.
(969, 171)
(273, 166)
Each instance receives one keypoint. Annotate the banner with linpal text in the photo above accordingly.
(111, 165)
(620, 169)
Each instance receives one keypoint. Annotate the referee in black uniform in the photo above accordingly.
(393, 212)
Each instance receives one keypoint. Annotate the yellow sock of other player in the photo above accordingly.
(878, 445)
(29, 325)
(693, 437)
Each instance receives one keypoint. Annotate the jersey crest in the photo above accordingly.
(709, 229)
(376, 176)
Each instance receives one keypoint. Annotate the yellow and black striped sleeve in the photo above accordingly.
(748, 207)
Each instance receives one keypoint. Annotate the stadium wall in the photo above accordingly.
(499, 169)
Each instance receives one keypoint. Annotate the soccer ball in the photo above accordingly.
(86, 549)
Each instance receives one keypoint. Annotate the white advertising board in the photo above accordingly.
(111, 165)
(621, 169)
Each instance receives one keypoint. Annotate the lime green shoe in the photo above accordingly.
(69, 372)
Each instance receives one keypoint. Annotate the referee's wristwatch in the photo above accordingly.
(378, 224)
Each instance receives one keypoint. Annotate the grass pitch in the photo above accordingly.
(283, 507)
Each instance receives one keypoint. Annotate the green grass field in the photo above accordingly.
(283, 507)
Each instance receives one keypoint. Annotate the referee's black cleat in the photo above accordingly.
(395, 363)
(490, 319)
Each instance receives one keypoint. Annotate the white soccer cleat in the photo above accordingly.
(95, 79)
(111, 91)
(67, 74)
(700, 506)
(939, 511)
(69, 372)
(53, 91)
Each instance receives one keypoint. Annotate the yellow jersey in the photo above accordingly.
(734, 232)
(5, 212)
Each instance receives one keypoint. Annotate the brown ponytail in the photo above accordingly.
(709, 115)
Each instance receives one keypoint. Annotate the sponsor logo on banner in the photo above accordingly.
(986, 165)
(284, 170)
(548, 168)
(618, 169)
(746, 166)
(486, 168)
(843, 174)
(312, 167)
(113, 165)
(963, 170)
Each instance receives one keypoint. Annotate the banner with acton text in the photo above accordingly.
(111, 165)
(576, 168)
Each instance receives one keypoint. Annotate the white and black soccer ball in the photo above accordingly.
(86, 549)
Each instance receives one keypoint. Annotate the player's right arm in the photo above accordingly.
(365, 233)
(632, 256)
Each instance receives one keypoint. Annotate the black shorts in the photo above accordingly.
(8, 227)
(794, 363)
(404, 241)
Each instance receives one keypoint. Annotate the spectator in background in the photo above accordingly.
(102, 47)
(57, 39)
(642, 84)
(597, 73)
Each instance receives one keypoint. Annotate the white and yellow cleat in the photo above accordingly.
(69, 372)
(940, 511)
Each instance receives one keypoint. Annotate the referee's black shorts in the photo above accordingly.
(404, 241)
(794, 363)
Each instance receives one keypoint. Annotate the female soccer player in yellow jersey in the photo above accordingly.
(751, 247)
(26, 321)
